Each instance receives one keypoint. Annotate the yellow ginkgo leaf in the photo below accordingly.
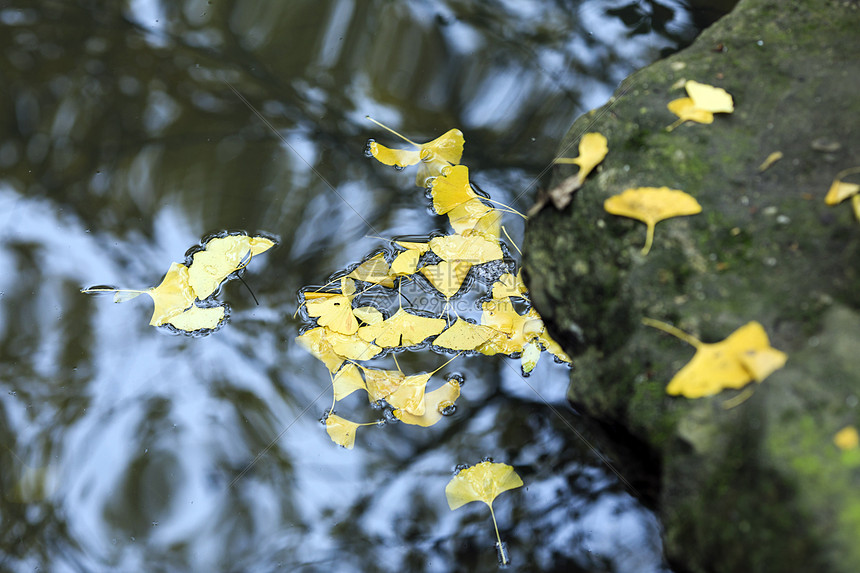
(530, 357)
(483, 482)
(847, 438)
(463, 335)
(651, 205)
(839, 191)
(745, 356)
(475, 215)
(514, 331)
(374, 270)
(380, 383)
(473, 249)
(855, 204)
(199, 318)
(553, 347)
(509, 285)
(368, 314)
(402, 329)
(347, 380)
(333, 348)
(173, 296)
(592, 149)
(405, 263)
(686, 110)
(447, 277)
(221, 257)
(434, 156)
(437, 404)
(341, 431)
(410, 396)
(333, 311)
(703, 103)
(451, 189)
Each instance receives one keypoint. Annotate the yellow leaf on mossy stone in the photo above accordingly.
(221, 257)
(745, 356)
(701, 105)
(436, 404)
(652, 205)
(341, 431)
(847, 438)
(592, 149)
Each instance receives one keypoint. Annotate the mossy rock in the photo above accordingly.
(750, 480)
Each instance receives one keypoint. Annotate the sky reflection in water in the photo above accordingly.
(121, 147)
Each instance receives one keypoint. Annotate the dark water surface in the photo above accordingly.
(126, 448)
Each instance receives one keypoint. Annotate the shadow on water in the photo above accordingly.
(121, 146)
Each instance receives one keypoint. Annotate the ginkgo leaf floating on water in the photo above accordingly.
(652, 205)
(183, 287)
(745, 356)
(451, 189)
(434, 156)
(701, 105)
(483, 482)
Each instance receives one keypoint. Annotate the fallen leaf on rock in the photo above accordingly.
(592, 149)
(770, 160)
(652, 205)
(841, 190)
(701, 105)
(847, 438)
(745, 356)
(483, 482)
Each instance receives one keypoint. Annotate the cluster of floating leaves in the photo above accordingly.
(360, 316)
(185, 298)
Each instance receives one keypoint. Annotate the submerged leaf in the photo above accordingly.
(652, 205)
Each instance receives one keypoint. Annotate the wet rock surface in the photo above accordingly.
(743, 482)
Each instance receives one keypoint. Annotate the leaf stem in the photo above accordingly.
(649, 239)
(498, 537)
(669, 329)
(385, 127)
